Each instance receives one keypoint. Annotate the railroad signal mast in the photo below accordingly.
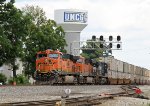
(105, 44)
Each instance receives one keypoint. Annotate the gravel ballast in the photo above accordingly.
(34, 93)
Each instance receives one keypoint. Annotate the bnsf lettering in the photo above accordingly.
(74, 17)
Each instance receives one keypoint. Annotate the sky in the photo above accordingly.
(128, 18)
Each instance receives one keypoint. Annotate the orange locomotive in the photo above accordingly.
(56, 67)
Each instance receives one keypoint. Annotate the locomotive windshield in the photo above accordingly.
(41, 55)
(79, 61)
(53, 56)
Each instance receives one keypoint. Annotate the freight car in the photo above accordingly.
(120, 72)
(54, 67)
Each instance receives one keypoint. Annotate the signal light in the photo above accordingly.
(110, 38)
(118, 38)
(110, 45)
(101, 45)
(105, 66)
(94, 37)
(118, 46)
(101, 38)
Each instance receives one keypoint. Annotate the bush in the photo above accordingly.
(20, 79)
(3, 78)
(11, 80)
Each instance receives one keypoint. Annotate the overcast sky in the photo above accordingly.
(128, 18)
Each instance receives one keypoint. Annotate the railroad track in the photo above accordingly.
(79, 101)
(32, 103)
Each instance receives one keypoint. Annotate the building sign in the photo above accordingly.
(75, 17)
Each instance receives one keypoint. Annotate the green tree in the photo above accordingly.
(12, 33)
(36, 14)
(41, 36)
(92, 53)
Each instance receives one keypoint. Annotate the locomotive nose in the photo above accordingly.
(47, 61)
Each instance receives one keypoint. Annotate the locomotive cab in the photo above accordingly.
(83, 66)
(48, 60)
(102, 68)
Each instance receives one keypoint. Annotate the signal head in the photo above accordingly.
(118, 46)
(110, 45)
(118, 38)
(94, 38)
(110, 38)
(101, 38)
(101, 45)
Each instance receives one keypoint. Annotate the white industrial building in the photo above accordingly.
(7, 70)
(73, 22)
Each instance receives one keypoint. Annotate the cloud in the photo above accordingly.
(105, 14)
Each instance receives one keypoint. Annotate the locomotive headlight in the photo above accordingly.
(46, 60)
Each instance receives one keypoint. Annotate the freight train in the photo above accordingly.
(55, 67)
